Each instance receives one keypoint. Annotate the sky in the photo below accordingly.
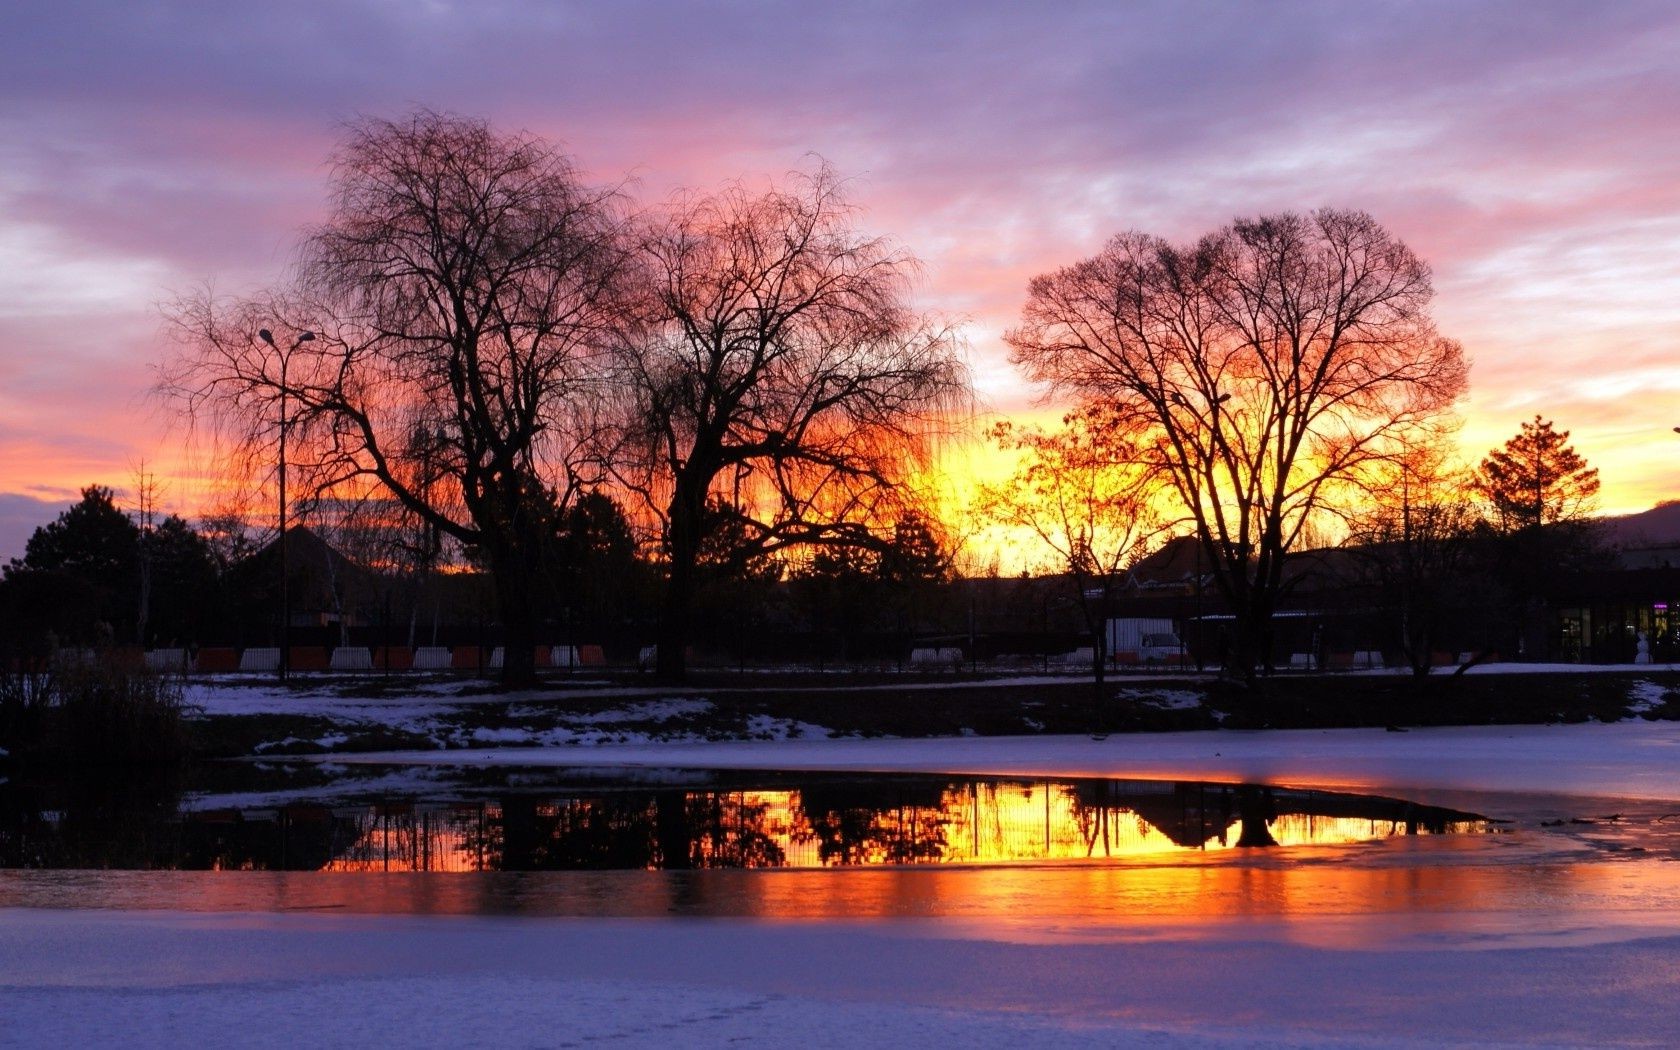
(1528, 150)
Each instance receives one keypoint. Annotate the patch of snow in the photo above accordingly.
(1633, 759)
(1526, 668)
(164, 979)
(1647, 696)
(504, 735)
(646, 711)
(766, 727)
(1167, 699)
(270, 745)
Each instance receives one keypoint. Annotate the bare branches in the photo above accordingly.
(780, 372)
(466, 293)
(1274, 360)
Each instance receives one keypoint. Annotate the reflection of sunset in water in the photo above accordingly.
(1071, 859)
(1347, 905)
(981, 822)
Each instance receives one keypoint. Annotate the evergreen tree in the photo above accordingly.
(1540, 493)
(92, 539)
(596, 575)
(96, 548)
(80, 578)
(185, 600)
(1538, 479)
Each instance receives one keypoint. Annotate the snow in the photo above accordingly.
(1647, 696)
(1506, 941)
(1631, 759)
(1167, 699)
(435, 711)
(449, 714)
(168, 979)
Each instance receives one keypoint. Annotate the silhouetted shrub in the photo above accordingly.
(93, 707)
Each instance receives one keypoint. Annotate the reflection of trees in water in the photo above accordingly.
(1191, 815)
(295, 838)
(892, 823)
(101, 819)
(1111, 815)
(135, 823)
(608, 831)
(1196, 815)
(672, 829)
(399, 836)
(733, 830)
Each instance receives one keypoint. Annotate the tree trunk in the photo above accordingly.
(1095, 623)
(516, 604)
(671, 664)
(1251, 642)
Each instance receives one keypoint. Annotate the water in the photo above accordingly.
(570, 820)
(1071, 858)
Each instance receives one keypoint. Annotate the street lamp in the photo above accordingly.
(285, 576)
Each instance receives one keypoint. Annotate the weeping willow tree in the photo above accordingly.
(442, 344)
(785, 390)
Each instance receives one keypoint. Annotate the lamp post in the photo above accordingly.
(285, 575)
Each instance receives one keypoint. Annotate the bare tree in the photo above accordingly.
(1275, 360)
(465, 287)
(782, 379)
(1089, 494)
(1416, 539)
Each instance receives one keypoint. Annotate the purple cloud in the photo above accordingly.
(1526, 149)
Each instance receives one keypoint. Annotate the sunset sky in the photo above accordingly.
(1529, 151)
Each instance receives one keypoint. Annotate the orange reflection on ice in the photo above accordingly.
(848, 824)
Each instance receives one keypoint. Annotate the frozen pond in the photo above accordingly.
(310, 818)
(1082, 854)
(1474, 887)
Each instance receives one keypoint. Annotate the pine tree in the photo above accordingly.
(1538, 479)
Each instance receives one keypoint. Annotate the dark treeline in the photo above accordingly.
(97, 578)
(1436, 561)
(517, 408)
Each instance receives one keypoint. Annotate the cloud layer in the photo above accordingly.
(1527, 150)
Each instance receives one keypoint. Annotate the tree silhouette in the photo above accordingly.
(464, 287)
(1540, 493)
(1537, 479)
(1416, 542)
(1088, 493)
(782, 378)
(96, 545)
(1274, 361)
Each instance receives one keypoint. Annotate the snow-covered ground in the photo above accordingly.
(1407, 944)
(452, 714)
(71, 978)
(1630, 759)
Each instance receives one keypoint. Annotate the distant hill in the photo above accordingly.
(1657, 527)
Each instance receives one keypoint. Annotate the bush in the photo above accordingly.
(94, 708)
(25, 695)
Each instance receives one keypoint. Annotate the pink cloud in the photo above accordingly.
(1526, 150)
